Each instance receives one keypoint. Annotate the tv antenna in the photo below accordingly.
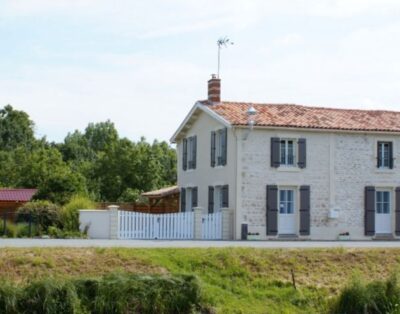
(223, 42)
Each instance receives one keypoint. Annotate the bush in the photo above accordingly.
(70, 212)
(11, 229)
(372, 298)
(42, 213)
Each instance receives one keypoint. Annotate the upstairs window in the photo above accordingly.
(385, 155)
(287, 152)
(219, 147)
(189, 151)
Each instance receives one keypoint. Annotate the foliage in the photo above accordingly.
(17, 230)
(115, 293)
(96, 162)
(373, 298)
(70, 212)
(11, 229)
(42, 213)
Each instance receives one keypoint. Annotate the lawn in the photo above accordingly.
(233, 280)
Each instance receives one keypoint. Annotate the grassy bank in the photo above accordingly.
(233, 280)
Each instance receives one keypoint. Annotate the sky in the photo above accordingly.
(143, 64)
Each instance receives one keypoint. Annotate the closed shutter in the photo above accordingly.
(212, 148)
(194, 147)
(302, 147)
(210, 199)
(184, 154)
(397, 211)
(275, 145)
(224, 145)
(379, 162)
(183, 200)
(305, 210)
(391, 155)
(369, 204)
(225, 196)
(194, 197)
(272, 210)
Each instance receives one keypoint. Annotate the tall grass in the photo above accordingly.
(113, 294)
(70, 212)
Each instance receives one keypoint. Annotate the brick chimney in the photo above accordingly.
(214, 89)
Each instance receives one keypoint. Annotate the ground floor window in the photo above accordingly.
(218, 198)
(286, 201)
(383, 202)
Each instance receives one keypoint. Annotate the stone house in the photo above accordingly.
(291, 171)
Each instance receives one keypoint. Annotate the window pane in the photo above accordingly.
(290, 195)
(283, 152)
(290, 207)
(379, 197)
(386, 196)
(379, 208)
(290, 153)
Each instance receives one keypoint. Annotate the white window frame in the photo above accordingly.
(286, 152)
(382, 202)
(384, 162)
(218, 147)
(286, 201)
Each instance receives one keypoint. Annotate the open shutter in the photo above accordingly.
(194, 147)
(369, 204)
(225, 196)
(379, 154)
(275, 145)
(210, 199)
(305, 210)
(272, 210)
(194, 197)
(212, 148)
(397, 211)
(302, 147)
(183, 200)
(391, 155)
(184, 154)
(224, 144)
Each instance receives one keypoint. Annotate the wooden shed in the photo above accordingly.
(165, 200)
(12, 199)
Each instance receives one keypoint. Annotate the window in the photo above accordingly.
(219, 147)
(188, 199)
(218, 197)
(385, 155)
(287, 152)
(189, 147)
(286, 201)
(382, 202)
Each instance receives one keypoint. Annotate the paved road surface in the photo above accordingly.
(194, 244)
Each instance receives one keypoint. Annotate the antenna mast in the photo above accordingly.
(222, 42)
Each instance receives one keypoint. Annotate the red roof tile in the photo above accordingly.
(16, 195)
(298, 116)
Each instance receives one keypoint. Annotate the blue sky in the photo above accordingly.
(142, 64)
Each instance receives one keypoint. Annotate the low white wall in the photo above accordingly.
(97, 221)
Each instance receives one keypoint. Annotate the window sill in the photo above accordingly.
(219, 167)
(288, 169)
(385, 170)
(189, 170)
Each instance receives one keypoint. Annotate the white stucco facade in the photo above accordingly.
(339, 166)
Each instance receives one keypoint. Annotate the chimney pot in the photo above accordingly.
(214, 89)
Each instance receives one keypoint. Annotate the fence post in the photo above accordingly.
(114, 223)
(197, 223)
(227, 223)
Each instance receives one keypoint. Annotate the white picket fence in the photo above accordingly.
(211, 228)
(133, 225)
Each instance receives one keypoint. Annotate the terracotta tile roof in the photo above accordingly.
(298, 116)
(16, 195)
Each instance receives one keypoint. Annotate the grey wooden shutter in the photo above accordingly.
(194, 197)
(184, 154)
(224, 141)
(391, 155)
(212, 148)
(275, 146)
(369, 204)
(225, 196)
(183, 200)
(194, 146)
(210, 199)
(305, 210)
(378, 153)
(272, 210)
(397, 211)
(302, 148)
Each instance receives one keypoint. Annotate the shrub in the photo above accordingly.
(70, 212)
(8, 298)
(372, 298)
(49, 296)
(11, 229)
(42, 213)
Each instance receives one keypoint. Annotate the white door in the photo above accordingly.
(286, 217)
(383, 221)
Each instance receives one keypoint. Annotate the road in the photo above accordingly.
(30, 243)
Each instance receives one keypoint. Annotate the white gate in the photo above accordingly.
(211, 228)
(133, 225)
